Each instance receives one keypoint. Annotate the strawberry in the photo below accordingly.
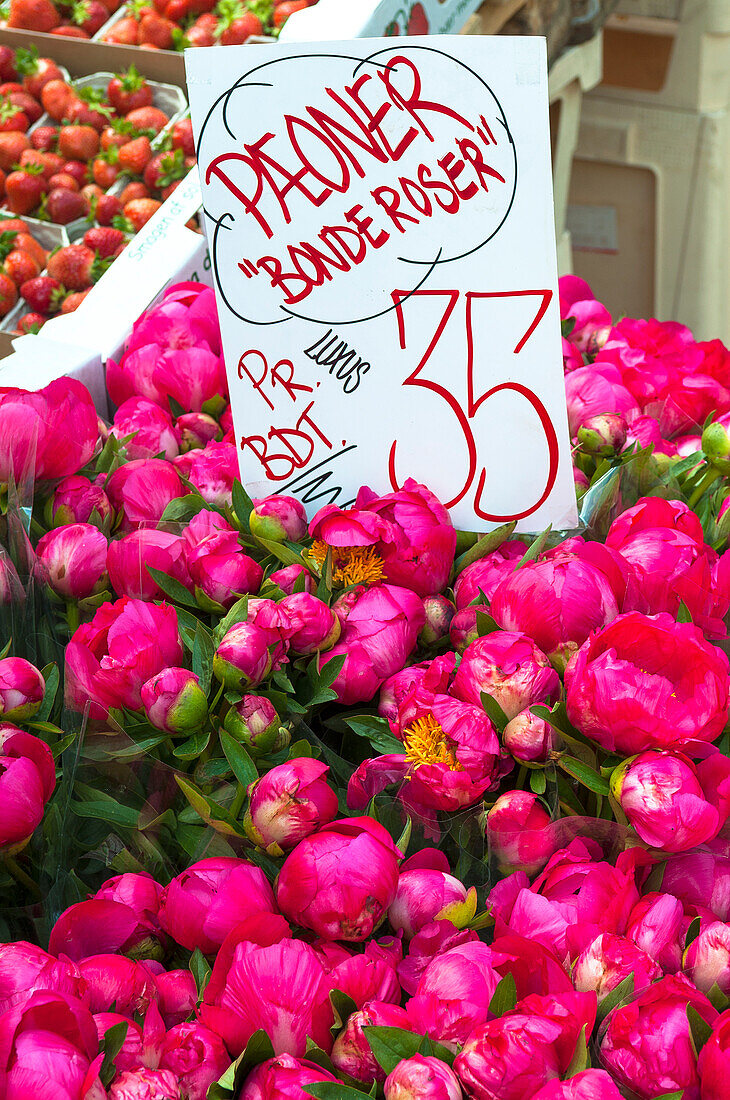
(11, 148)
(26, 103)
(36, 71)
(87, 109)
(43, 294)
(134, 190)
(164, 169)
(55, 97)
(139, 211)
(25, 243)
(78, 142)
(237, 22)
(8, 295)
(3, 177)
(64, 206)
(202, 32)
(182, 137)
(77, 169)
(148, 118)
(107, 208)
(68, 31)
(135, 156)
(12, 118)
(62, 179)
(33, 15)
(11, 86)
(417, 20)
(125, 32)
(31, 323)
(44, 138)
(73, 301)
(155, 30)
(12, 225)
(283, 11)
(24, 189)
(90, 15)
(76, 267)
(7, 63)
(127, 91)
(20, 267)
(92, 193)
(104, 240)
(105, 170)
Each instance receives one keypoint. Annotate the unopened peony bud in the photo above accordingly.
(243, 658)
(72, 561)
(602, 435)
(288, 578)
(716, 445)
(196, 429)
(422, 1077)
(288, 803)
(255, 723)
(145, 1084)
(518, 832)
(529, 738)
(278, 519)
(174, 701)
(425, 895)
(78, 500)
(351, 1053)
(582, 484)
(21, 689)
(463, 629)
(610, 959)
(315, 626)
(439, 613)
(509, 667)
(707, 959)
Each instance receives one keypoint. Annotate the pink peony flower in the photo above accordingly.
(76, 499)
(150, 426)
(212, 470)
(141, 490)
(282, 1078)
(422, 1078)
(483, 577)
(72, 561)
(278, 518)
(454, 993)
(351, 1053)
(315, 626)
(130, 559)
(220, 570)
(604, 964)
(27, 781)
(196, 1057)
(288, 803)
(114, 980)
(145, 1084)
(509, 667)
(46, 433)
(591, 1084)
(714, 1060)
(48, 1048)
(597, 389)
(174, 701)
(426, 894)
(518, 832)
(22, 688)
(26, 969)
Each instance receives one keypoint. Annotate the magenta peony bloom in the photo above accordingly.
(454, 993)
(672, 803)
(116, 980)
(591, 1084)
(646, 682)
(597, 389)
(250, 650)
(340, 881)
(174, 701)
(707, 959)
(174, 351)
(279, 519)
(422, 1078)
(509, 667)
(433, 939)
(287, 579)
(281, 988)
(72, 560)
(657, 926)
(221, 571)
(527, 737)
(434, 676)
(592, 321)
(196, 1056)
(196, 429)
(288, 803)
(151, 427)
(145, 1084)
(714, 1061)
(105, 925)
(130, 559)
(351, 1053)
(518, 832)
(26, 969)
(426, 894)
(109, 659)
(177, 996)
(509, 1058)
(282, 1078)
(484, 576)
(76, 499)
(47, 433)
(27, 781)
(22, 688)
(647, 1045)
(204, 903)
(212, 469)
(607, 961)
(377, 638)
(48, 1048)
(315, 626)
(369, 975)
(141, 490)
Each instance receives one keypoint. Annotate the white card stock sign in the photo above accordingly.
(380, 225)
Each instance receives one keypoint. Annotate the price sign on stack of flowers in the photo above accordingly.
(334, 799)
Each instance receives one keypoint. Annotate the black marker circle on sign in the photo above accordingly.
(333, 180)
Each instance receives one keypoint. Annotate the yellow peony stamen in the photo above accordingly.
(350, 564)
(426, 743)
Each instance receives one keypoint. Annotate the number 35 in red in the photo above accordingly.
(473, 403)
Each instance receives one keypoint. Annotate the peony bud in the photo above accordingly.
(22, 688)
(255, 723)
(463, 629)
(509, 667)
(145, 1084)
(11, 587)
(288, 803)
(220, 570)
(518, 832)
(707, 959)
(602, 435)
(242, 658)
(174, 701)
(196, 430)
(716, 445)
(315, 626)
(425, 894)
(149, 426)
(439, 613)
(422, 1077)
(288, 578)
(78, 500)
(530, 738)
(351, 1053)
(72, 561)
(282, 1078)
(278, 519)
(607, 961)
(591, 1084)
(582, 484)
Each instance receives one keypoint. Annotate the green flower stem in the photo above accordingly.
(21, 877)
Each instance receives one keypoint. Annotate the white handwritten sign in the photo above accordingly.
(380, 224)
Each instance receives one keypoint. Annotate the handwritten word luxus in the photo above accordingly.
(343, 361)
(321, 155)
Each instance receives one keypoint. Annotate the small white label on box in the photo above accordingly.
(593, 228)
